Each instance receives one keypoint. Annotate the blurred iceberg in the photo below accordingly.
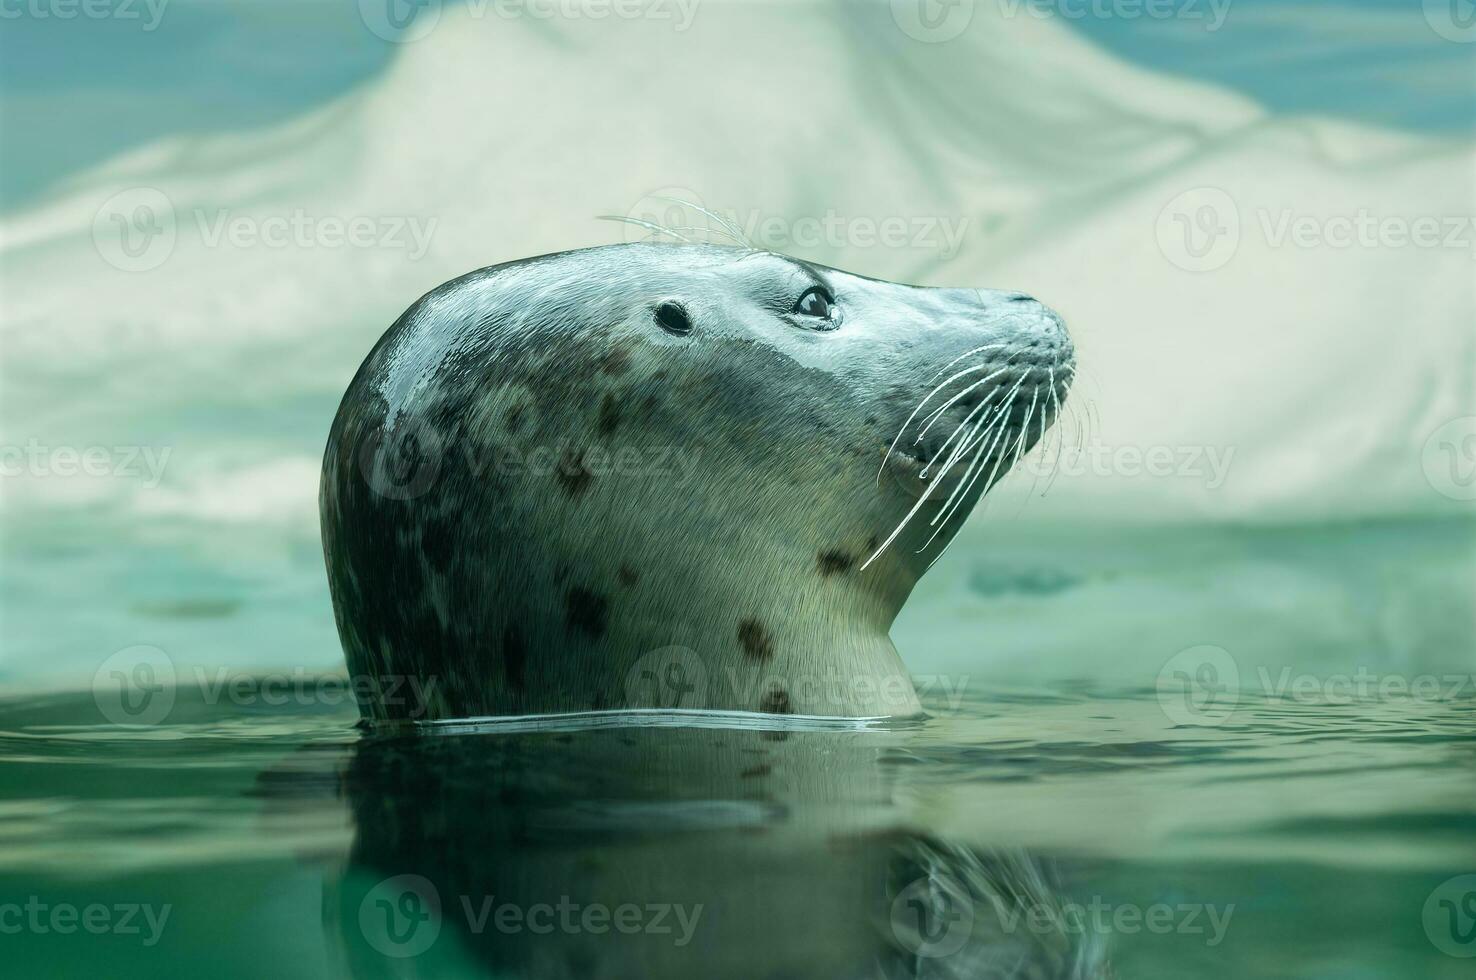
(1245, 359)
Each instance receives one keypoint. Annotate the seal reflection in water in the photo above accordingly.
(668, 475)
(677, 853)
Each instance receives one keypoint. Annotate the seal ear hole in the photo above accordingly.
(672, 317)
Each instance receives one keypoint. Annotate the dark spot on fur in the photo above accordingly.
(628, 576)
(609, 415)
(776, 702)
(762, 769)
(586, 612)
(514, 417)
(573, 475)
(871, 544)
(514, 657)
(834, 562)
(438, 541)
(757, 642)
(617, 362)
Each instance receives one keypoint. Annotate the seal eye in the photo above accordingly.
(673, 318)
(815, 302)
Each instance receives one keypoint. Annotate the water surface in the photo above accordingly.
(1064, 830)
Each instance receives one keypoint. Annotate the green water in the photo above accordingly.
(1096, 791)
(1292, 840)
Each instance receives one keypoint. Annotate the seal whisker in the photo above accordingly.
(965, 445)
(1004, 414)
(927, 492)
(708, 230)
(903, 431)
(734, 232)
(1020, 442)
(968, 442)
(1040, 442)
(967, 353)
(975, 468)
(954, 400)
(998, 427)
(658, 229)
(1060, 440)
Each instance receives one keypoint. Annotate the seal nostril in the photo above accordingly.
(672, 317)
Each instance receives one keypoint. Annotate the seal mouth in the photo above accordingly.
(968, 440)
(953, 448)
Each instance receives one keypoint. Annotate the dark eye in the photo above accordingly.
(817, 302)
(673, 318)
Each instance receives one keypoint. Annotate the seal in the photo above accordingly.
(660, 475)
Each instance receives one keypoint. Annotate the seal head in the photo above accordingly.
(676, 476)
